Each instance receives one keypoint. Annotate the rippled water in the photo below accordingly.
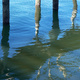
(50, 53)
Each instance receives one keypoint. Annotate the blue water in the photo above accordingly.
(52, 54)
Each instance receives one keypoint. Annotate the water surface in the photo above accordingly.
(50, 53)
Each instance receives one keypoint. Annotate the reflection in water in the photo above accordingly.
(4, 41)
(5, 46)
(39, 72)
(49, 72)
(37, 18)
(37, 15)
(61, 67)
(54, 33)
(38, 61)
(55, 20)
(42, 61)
(5, 36)
(74, 12)
(55, 28)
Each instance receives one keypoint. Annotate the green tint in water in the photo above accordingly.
(54, 52)
(53, 59)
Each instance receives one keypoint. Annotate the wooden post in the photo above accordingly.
(37, 2)
(37, 15)
(74, 4)
(74, 13)
(5, 11)
(55, 4)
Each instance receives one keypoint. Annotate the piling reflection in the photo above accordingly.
(5, 47)
(4, 41)
(53, 34)
(5, 35)
(55, 20)
(37, 15)
(74, 13)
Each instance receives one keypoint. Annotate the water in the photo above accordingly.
(50, 53)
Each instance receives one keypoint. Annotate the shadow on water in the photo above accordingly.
(32, 58)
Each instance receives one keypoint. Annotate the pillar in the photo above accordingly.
(5, 11)
(37, 2)
(55, 4)
(37, 15)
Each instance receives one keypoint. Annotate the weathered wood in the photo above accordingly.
(74, 4)
(37, 2)
(74, 12)
(55, 4)
(5, 11)
(37, 15)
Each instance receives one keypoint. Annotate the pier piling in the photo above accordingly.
(5, 11)
(55, 4)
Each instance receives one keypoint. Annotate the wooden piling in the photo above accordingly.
(55, 4)
(37, 15)
(74, 4)
(74, 12)
(37, 2)
(5, 11)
